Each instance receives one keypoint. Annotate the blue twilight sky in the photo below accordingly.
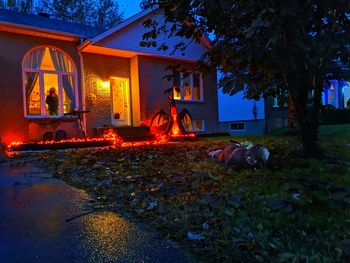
(129, 7)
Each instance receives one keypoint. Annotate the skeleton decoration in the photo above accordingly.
(241, 155)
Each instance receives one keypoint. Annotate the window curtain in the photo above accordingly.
(62, 64)
(33, 61)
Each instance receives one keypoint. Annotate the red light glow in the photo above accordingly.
(110, 138)
(183, 136)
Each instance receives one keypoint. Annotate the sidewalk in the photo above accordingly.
(33, 228)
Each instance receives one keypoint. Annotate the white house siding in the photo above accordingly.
(129, 39)
(236, 108)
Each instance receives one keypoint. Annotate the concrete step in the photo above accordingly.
(130, 134)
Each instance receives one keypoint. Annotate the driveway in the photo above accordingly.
(34, 208)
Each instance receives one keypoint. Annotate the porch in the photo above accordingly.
(128, 134)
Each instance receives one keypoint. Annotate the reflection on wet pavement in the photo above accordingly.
(33, 228)
(108, 233)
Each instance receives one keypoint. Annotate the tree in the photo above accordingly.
(102, 14)
(108, 14)
(70, 10)
(25, 6)
(273, 46)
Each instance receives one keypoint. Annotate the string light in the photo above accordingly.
(111, 137)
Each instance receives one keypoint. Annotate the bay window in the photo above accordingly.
(49, 83)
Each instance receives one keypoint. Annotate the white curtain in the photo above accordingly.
(61, 63)
(33, 61)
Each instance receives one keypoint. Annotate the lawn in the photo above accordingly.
(292, 210)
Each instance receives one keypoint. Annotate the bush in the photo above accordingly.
(335, 116)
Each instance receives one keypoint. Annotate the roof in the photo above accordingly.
(42, 23)
(122, 25)
(127, 22)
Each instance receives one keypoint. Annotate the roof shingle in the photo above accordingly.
(47, 23)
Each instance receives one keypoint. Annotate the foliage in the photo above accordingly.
(25, 6)
(336, 116)
(293, 210)
(107, 14)
(103, 14)
(266, 47)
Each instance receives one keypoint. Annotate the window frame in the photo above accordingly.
(275, 104)
(237, 123)
(193, 130)
(41, 73)
(182, 90)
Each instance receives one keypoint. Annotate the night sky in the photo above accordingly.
(129, 7)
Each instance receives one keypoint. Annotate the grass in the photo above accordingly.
(293, 210)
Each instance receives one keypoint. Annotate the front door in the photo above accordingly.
(120, 101)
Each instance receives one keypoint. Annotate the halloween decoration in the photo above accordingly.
(241, 154)
(109, 138)
(172, 123)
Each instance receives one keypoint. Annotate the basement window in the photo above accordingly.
(237, 126)
(194, 126)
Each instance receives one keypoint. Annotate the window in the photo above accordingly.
(237, 126)
(346, 93)
(188, 87)
(330, 94)
(277, 104)
(49, 83)
(194, 125)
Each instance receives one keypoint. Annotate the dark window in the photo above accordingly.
(237, 126)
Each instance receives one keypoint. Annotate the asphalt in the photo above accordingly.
(34, 208)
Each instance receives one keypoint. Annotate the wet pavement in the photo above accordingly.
(33, 228)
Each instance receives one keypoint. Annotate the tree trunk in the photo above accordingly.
(309, 137)
(293, 127)
(307, 117)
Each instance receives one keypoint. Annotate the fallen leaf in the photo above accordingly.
(194, 236)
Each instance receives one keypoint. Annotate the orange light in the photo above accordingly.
(183, 136)
(110, 136)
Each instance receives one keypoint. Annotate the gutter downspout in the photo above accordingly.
(82, 81)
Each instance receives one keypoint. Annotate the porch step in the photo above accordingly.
(131, 134)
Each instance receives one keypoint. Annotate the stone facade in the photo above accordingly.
(14, 126)
(99, 69)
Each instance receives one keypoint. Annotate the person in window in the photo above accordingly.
(52, 101)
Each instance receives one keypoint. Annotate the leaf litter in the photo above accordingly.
(280, 213)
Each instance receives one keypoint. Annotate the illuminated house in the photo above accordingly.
(108, 73)
(337, 94)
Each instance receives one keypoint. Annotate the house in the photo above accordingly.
(239, 116)
(337, 94)
(108, 73)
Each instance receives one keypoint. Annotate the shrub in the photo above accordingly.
(335, 116)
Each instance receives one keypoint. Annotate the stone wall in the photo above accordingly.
(14, 126)
(99, 69)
